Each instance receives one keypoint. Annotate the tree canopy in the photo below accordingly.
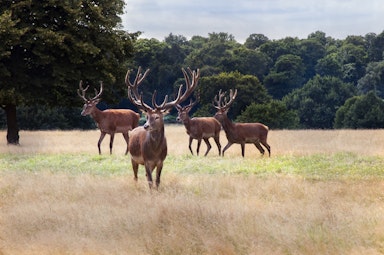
(52, 44)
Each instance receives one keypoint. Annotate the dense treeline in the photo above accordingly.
(286, 83)
(316, 82)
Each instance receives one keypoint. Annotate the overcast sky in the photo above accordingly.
(276, 19)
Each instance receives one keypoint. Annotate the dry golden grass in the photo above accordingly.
(44, 212)
(283, 142)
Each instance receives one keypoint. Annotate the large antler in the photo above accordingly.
(191, 81)
(82, 95)
(136, 98)
(223, 106)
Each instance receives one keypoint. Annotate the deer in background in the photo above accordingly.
(199, 128)
(241, 133)
(148, 144)
(109, 121)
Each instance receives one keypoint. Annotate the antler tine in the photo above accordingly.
(133, 93)
(217, 100)
(98, 94)
(189, 88)
(138, 80)
(229, 102)
(82, 91)
(191, 104)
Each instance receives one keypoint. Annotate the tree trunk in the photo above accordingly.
(12, 127)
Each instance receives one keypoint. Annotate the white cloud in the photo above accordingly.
(274, 18)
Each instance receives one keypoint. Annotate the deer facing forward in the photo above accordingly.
(240, 133)
(109, 121)
(148, 144)
(199, 128)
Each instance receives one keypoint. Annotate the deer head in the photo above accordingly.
(89, 103)
(183, 111)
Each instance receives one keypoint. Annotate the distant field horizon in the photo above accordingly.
(289, 142)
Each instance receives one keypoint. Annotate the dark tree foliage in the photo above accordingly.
(286, 75)
(366, 111)
(274, 114)
(52, 44)
(49, 45)
(318, 100)
(373, 80)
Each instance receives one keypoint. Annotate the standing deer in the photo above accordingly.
(241, 133)
(199, 128)
(148, 144)
(109, 121)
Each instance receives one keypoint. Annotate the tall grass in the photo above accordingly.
(321, 192)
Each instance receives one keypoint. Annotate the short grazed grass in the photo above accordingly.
(321, 192)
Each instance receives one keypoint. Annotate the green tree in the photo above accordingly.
(375, 46)
(329, 65)
(274, 114)
(249, 90)
(254, 41)
(286, 75)
(365, 111)
(311, 50)
(318, 100)
(57, 43)
(373, 80)
(252, 62)
(353, 58)
(275, 49)
(214, 55)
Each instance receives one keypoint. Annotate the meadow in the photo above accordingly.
(320, 192)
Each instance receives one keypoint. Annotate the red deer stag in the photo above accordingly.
(148, 144)
(199, 128)
(241, 133)
(109, 121)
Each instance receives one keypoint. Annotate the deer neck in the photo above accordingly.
(156, 137)
(187, 122)
(228, 125)
(96, 114)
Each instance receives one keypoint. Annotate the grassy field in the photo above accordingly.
(321, 192)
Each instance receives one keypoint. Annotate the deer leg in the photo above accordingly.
(266, 145)
(158, 174)
(190, 144)
(198, 146)
(148, 170)
(126, 137)
(258, 146)
(225, 148)
(217, 141)
(100, 140)
(242, 149)
(111, 142)
(208, 146)
(135, 168)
